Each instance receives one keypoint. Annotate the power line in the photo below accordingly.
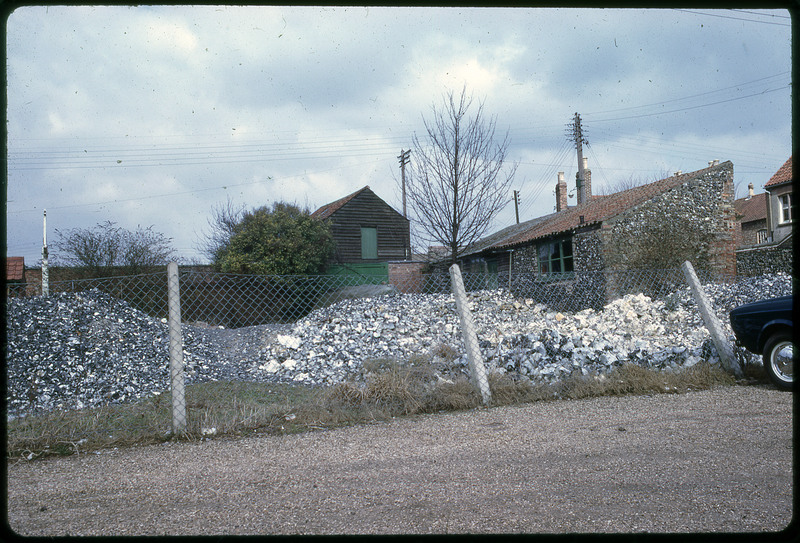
(692, 107)
(730, 17)
(739, 86)
(193, 191)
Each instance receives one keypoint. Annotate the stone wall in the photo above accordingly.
(525, 260)
(587, 251)
(771, 258)
(694, 221)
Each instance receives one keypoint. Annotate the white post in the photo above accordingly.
(476, 367)
(45, 271)
(711, 321)
(176, 350)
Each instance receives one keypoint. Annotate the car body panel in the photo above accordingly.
(755, 322)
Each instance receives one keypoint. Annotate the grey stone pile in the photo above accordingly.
(70, 351)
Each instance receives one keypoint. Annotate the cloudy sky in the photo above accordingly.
(154, 115)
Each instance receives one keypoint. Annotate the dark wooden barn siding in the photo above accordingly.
(369, 211)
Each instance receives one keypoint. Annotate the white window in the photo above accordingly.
(762, 236)
(785, 201)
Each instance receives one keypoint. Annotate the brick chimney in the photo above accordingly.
(561, 193)
(584, 190)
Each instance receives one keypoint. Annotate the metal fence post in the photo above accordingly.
(711, 321)
(476, 367)
(176, 350)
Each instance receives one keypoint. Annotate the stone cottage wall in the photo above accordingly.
(694, 221)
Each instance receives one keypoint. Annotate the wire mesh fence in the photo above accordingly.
(235, 301)
(94, 354)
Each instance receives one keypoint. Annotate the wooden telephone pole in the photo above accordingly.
(576, 133)
(404, 157)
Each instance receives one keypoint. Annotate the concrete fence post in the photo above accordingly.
(711, 321)
(176, 351)
(476, 368)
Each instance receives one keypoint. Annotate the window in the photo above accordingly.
(785, 203)
(762, 236)
(556, 257)
(369, 243)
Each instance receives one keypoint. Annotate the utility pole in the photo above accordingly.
(404, 157)
(516, 204)
(45, 271)
(575, 133)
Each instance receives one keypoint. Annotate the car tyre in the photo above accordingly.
(779, 354)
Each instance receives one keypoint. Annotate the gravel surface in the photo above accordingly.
(707, 461)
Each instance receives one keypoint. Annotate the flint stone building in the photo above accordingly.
(688, 216)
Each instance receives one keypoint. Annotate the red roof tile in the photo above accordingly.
(15, 268)
(752, 208)
(783, 175)
(329, 209)
(600, 209)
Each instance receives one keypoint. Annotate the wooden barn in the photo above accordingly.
(368, 232)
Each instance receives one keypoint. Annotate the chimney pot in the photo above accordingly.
(750, 190)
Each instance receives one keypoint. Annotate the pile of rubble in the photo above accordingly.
(80, 350)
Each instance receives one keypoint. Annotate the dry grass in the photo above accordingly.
(391, 389)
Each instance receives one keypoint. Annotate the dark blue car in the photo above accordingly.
(766, 328)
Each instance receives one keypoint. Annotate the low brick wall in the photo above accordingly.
(407, 276)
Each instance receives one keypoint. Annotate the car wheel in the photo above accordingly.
(779, 354)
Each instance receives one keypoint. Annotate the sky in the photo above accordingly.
(155, 115)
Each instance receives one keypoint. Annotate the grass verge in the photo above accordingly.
(391, 389)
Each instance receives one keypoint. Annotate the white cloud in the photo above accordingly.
(323, 99)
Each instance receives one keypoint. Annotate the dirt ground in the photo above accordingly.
(707, 461)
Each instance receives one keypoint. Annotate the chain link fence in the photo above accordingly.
(216, 300)
(236, 301)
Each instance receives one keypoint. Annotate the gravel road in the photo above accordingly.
(707, 461)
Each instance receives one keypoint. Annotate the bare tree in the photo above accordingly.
(106, 245)
(457, 182)
(144, 248)
(632, 181)
(224, 218)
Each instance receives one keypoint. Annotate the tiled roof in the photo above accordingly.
(752, 208)
(597, 210)
(329, 209)
(783, 175)
(498, 238)
(15, 268)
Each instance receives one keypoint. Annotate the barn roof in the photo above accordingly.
(329, 209)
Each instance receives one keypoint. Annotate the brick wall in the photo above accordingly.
(407, 276)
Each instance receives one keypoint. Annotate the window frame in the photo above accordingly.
(556, 252)
(785, 208)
